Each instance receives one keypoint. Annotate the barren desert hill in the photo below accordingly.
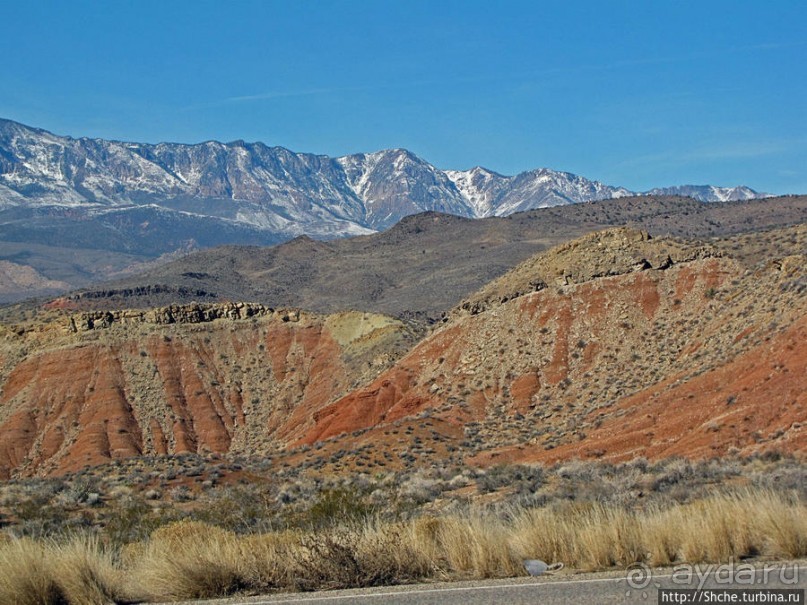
(425, 264)
(599, 254)
(641, 345)
(696, 358)
(88, 388)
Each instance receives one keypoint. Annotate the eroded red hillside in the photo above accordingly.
(613, 346)
(751, 403)
(133, 387)
(691, 358)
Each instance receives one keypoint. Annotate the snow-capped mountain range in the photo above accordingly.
(271, 189)
(710, 193)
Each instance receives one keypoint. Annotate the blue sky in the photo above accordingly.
(638, 94)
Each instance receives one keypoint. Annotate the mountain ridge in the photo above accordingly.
(279, 189)
(425, 264)
(65, 200)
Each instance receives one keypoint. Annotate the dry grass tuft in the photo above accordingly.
(188, 560)
(783, 526)
(46, 573)
(717, 529)
(587, 537)
(476, 546)
(268, 560)
(388, 555)
(26, 578)
(720, 528)
(86, 573)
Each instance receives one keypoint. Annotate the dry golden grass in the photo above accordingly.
(187, 560)
(783, 526)
(719, 528)
(475, 546)
(190, 560)
(78, 571)
(387, 554)
(86, 573)
(25, 578)
(269, 560)
(587, 537)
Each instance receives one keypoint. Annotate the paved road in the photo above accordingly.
(596, 589)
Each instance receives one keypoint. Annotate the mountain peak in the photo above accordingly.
(710, 193)
(485, 171)
(276, 190)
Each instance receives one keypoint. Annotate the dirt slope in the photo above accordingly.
(692, 357)
(86, 389)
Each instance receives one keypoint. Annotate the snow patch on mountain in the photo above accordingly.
(480, 187)
(492, 194)
(710, 193)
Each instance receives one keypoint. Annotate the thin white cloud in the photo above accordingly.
(274, 94)
(277, 94)
(736, 151)
(771, 45)
(280, 94)
(728, 151)
(696, 56)
(517, 77)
